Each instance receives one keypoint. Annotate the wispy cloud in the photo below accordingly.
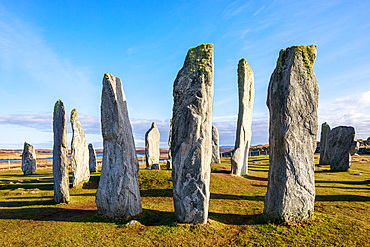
(352, 110)
(233, 9)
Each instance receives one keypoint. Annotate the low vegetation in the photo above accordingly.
(28, 215)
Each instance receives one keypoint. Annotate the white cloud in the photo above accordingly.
(353, 110)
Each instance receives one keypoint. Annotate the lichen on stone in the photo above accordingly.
(307, 52)
(74, 114)
(200, 58)
(56, 107)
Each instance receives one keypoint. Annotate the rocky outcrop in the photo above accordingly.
(342, 143)
(118, 193)
(239, 160)
(215, 148)
(152, 146)
(324, 154)
(60, 154)
(80, 152)
(169, 161)
(28, 159)
(92, 159)
(293, 95)
(191, 141)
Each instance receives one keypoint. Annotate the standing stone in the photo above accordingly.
(28, 159)
(118, 193)
(324, 155)
(169, 161)
(342, 143)
(92, 158)
(60, 154)
(239, 160)
(152, 146)
(80, 152)
(191, 141)
(368, 141)
(293, 95)
(215, 148)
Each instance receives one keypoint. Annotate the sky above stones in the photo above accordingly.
(51, 50)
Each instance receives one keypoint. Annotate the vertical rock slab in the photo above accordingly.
(191, 141)
(215, 148)
(28, 159)
(293, 95)
(118, 193)
(342, 143)
(324, 154)
(60, 154)
(169, 161)
(80, 152)
(239, 160)
(152, 146)
(92, 158)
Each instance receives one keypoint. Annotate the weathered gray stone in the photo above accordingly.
(342, 143)
(152, 146)
(239, 160)
(80, 152)
(215, 148)
(368, 141)
(60, 154)
(191, 141)
(118, 193)
(293, 95)
(324, 155)
(169, 161)
(28, 159)
(92, 158)
(155, 167)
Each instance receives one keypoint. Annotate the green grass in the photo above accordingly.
(28, 215)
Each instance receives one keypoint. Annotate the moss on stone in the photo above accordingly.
(200, 58)
(306, 52)
(74, 115)
(56, 107)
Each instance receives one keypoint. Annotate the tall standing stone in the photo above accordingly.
(215, 148)
(28, 159)
(80, 152)
(324, 154)
(191, 142)
(239, 160)
(169, 161)
(152, 146)
(60, 154)
(293, 95)
(118, 193)
(92, 158)
(342, 143)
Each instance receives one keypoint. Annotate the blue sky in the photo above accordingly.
(52, 50)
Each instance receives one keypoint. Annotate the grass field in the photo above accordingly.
(29, 217)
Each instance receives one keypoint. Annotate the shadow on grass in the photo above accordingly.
(156, 193)
(332, 198)
(364, 182)
(255, 178)
(237, 219)
(237, 197)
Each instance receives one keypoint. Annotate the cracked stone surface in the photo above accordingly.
(60, 154)
(118, 193)
(292, 100)
(191, 141)
(239, 160)
(28, 159)
(80, 152)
